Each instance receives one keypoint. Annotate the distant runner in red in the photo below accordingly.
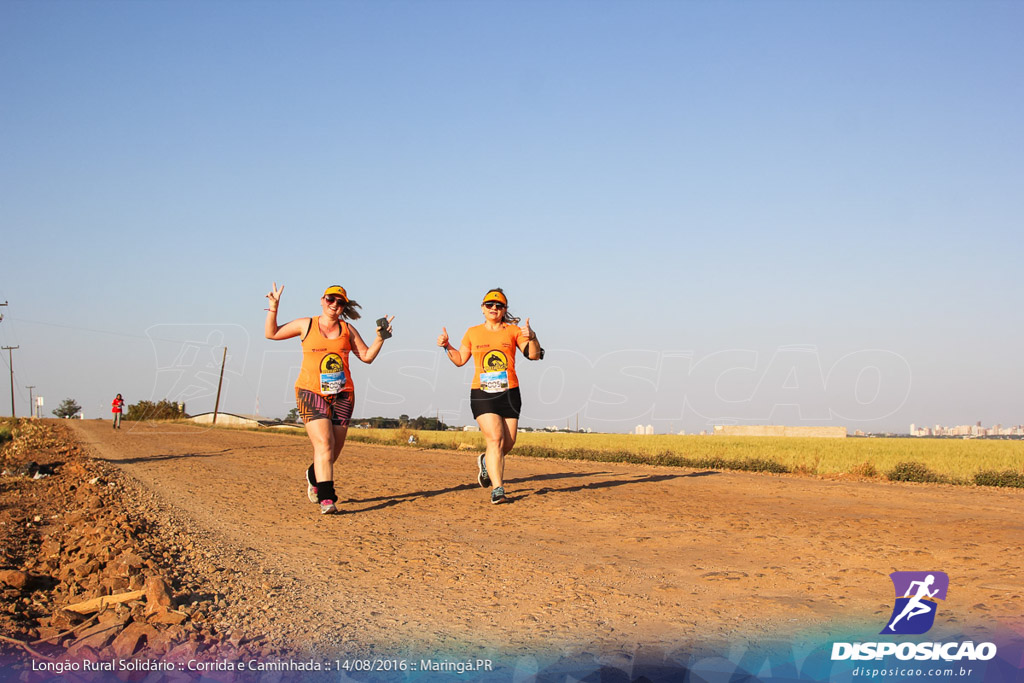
(494, 395)
(117, 407)
(324, 392)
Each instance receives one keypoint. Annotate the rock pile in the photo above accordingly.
(88, 574)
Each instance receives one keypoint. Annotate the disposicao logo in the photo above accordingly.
(917, 595)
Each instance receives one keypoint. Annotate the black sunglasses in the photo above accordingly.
(494, 304)
(331, 299)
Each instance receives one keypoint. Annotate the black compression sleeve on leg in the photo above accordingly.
(325, 491)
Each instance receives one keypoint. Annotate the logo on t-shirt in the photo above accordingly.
(495, 360)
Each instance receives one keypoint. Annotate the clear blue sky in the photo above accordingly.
(785, 212)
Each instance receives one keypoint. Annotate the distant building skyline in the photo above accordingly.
(967, 430)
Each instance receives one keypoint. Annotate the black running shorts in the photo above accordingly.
(506, 404)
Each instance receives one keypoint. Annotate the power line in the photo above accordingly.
(115, 334)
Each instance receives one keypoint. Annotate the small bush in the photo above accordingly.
(809, 469)
(865, 469)
(1007, 478)
(6, 432)
(914, 471)
(756, 465)
(147, 410)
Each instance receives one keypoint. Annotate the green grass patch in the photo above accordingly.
(666, 458)
(1007, 478)
(915, 471)
(9, 429)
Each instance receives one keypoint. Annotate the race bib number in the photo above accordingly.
(332, 375)
(332, 383)
(494, 382)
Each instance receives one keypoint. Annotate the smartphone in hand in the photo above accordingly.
(382, 328)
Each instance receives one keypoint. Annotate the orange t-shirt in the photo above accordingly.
(325, 361)
(494, 357)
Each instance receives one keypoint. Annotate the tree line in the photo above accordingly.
(168, 410)
(402, 422)
(143, 410)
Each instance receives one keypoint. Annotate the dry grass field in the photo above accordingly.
(959, 460)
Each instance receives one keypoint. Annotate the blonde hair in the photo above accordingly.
(350, 312)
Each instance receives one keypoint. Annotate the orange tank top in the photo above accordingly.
(494, 357)
(325, 361)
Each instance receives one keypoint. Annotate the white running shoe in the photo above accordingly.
(310, 490)
(327, 507)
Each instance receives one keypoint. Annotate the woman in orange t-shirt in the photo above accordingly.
(324, 391)
(494, 395)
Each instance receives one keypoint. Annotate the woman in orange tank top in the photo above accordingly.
(324, 391)
(494, 395)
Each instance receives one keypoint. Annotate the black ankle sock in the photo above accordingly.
(325, 491)
(311, 476)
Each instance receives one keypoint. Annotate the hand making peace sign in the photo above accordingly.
(275, 296)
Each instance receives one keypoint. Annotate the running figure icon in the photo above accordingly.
(915, 606)
(917, 601)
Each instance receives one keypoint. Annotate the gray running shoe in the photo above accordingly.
(327, 507)
(482, 477)
(498, 495)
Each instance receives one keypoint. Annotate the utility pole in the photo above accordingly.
(216, 406)
(31, 410)
(10, 356)
(1, 314)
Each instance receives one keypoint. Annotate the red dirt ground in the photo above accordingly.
(587, 557)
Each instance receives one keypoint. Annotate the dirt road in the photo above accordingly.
(587, 557)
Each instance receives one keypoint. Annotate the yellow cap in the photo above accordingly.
(337, 290)
(495, 296)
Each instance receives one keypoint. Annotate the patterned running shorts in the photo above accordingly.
(313, 406)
